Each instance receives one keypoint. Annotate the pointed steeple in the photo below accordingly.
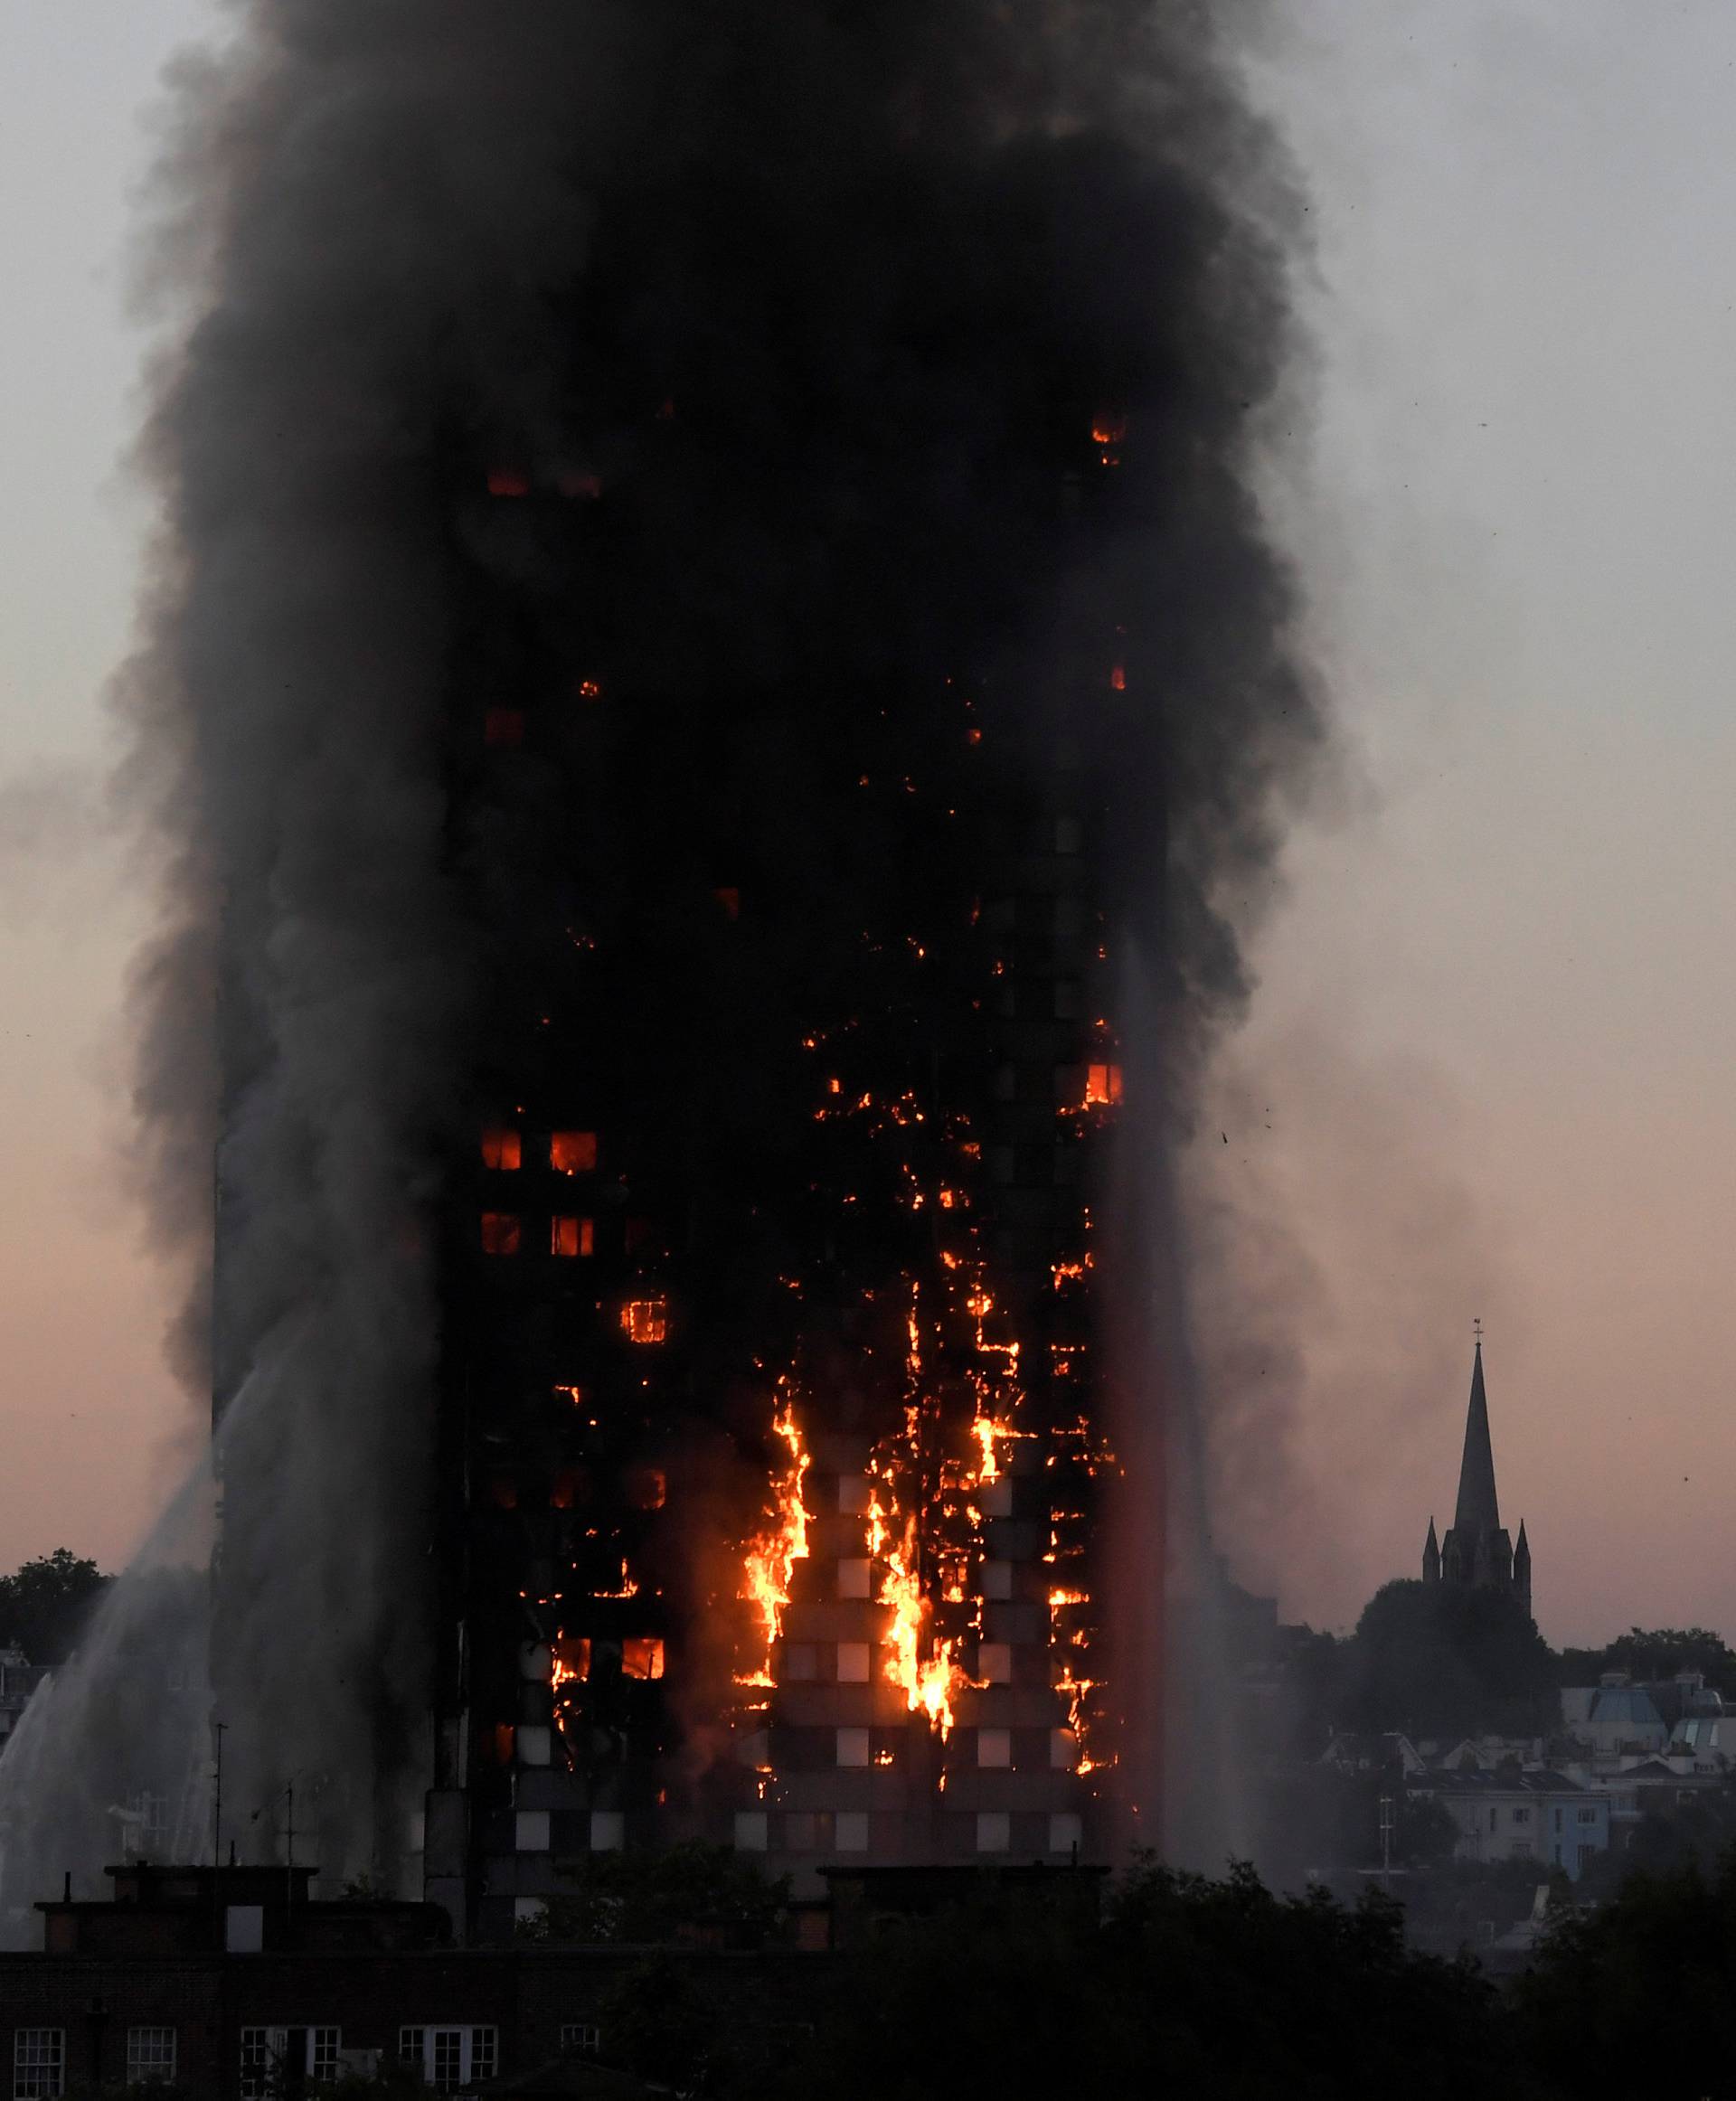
(1477, 1513)
(1432, 1556)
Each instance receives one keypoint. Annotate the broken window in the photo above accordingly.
(573, 1151)
(646, 1488)
(573, 1236)
(642, 1656)
(1102, 1086)
(646, 1320)
(569, 1661)
(500, 1232)
(501, 1150)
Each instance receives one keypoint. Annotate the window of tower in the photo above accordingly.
(647, 1488)
(573, 1236)
(1102, 1086)
(501, 1232)
(646, 1321)
(501, 1149)
(503, 727)
(508, 480)
(573, 1151)
(567, 1487)
(569, 1661)
(642, 1656)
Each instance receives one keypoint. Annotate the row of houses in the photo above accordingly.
(1625, 1751)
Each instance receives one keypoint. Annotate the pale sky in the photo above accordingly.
(1497, 1009)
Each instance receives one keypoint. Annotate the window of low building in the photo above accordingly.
(450, 2057)
(275, 2060)
(150, 2057)
(581, 2039)
(38, 2063)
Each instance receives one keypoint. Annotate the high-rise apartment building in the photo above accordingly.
(771, 1393)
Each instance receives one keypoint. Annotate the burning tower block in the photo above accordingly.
(772, 1408)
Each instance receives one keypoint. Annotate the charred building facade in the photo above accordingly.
(772, 1408)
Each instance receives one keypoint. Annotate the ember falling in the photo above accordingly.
(713, 626)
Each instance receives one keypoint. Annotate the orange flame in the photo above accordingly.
(771, 1558)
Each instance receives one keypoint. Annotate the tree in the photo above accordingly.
(1187, 1986)
(1655, 1653)
(1638, 1996)
(1440, 1659)
(46, 1607)
(694, 1893)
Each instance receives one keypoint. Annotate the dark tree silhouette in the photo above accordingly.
(45, 1605)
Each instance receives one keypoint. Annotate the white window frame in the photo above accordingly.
(151, 2056)
(470, 2051)
(581, 2039)
(38, 2063)
(265, 2053)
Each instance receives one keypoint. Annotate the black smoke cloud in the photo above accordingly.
(886, 261)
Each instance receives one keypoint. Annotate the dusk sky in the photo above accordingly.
(1486, 1072)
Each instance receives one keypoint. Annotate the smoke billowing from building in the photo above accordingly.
(710, 614)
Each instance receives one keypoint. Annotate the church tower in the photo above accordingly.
(1478, 1551)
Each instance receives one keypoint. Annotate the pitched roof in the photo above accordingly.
(1477, 1510)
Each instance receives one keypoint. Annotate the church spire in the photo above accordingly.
(1476, 1513)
